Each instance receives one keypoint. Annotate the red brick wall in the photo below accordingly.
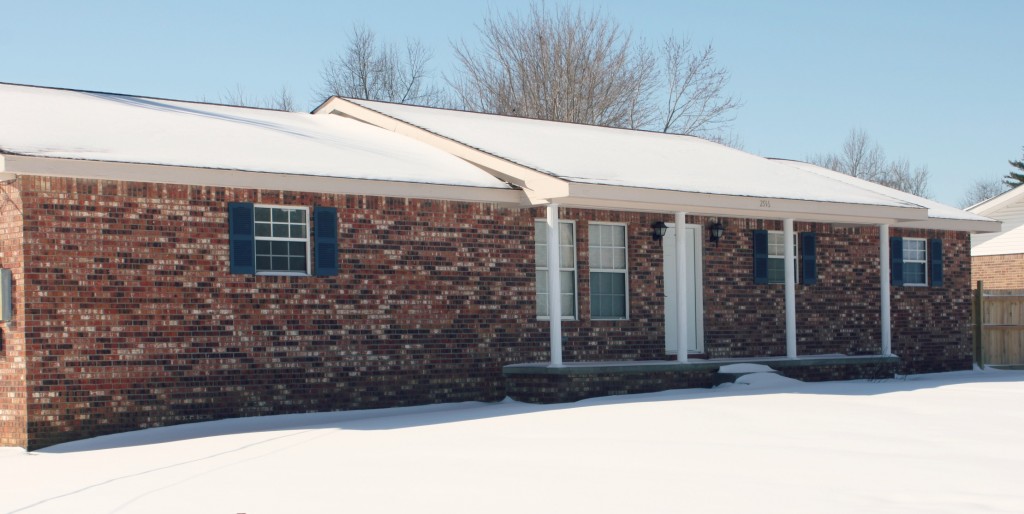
(998, 271)
(13, 398)
(931, 326)
(838, 314)
(132, 319)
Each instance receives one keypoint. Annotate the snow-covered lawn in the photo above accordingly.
(932, 443)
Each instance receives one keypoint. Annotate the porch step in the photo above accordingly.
(729, 373)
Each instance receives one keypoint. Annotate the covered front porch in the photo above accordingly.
(542, 383)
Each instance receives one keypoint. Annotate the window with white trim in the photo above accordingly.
(567, 267)
(777, 256)
(282, 239)
(608, 271)
(915, 262)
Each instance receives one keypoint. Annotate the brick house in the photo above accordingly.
(997, 258)
(176, 261)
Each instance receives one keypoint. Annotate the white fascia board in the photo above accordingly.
(652, 200)
(538, 185)
(164, 174)
(956, 225)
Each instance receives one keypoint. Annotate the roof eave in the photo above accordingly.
(957, 225)
(216, 177)
(656, 200)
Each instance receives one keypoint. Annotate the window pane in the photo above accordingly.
(263, 230)
(607, 261)
(262, 263)
(914, 273)
(540, 232)
(541, 255)
(776, 273)
(297, 216)
(565, 235)
(614, 306)
(279, 263)
(263, 247)
(566, 257)
(619, 259)
(607, 295)
(298, 264)
(619, 236)
(280, 230)
(262, 214)
(279, 215)
(568, 306)
(296, 248)
(567, 282)
(542, 282)
(279, 247)
(298, 231)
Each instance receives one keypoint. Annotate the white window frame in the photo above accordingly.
(796, 255)
(923, 262)
(624, 271)
(575, 270)
(306, 240)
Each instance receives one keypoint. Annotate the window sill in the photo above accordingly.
(281, 274)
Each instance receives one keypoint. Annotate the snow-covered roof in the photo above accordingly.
(44, 122)
(632, 158)
(935, 209)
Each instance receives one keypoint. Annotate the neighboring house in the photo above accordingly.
(177, 261)
(997, 258)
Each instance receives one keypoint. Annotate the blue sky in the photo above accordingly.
(936, 82)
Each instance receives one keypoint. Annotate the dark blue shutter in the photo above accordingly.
(808, 266)
(896, 261)
(241, 238)
(760, 256)
(935, 262)
(325, 241)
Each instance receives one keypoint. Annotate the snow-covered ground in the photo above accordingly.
(932, 443)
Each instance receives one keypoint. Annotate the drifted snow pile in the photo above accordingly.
(930, 443)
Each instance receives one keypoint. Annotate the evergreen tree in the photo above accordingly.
(1015, 177)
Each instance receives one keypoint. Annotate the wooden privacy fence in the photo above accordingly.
(998, 326)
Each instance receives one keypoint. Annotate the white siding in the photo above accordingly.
(1009, 240)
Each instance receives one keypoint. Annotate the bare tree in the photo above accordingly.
(280, 101)
(697, 102)
(569, 64)
(862, 158)
(981, 190)
(378, 71)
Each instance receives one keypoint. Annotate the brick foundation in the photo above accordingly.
(127, 316)
(540, 384)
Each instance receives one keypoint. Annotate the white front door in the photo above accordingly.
(694, 290)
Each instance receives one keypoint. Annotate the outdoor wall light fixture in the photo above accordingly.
(715, 232)
(659, 228)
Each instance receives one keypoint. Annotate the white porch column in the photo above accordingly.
(681, 308)
(554, 286)
(883, 247)
(790, 276)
